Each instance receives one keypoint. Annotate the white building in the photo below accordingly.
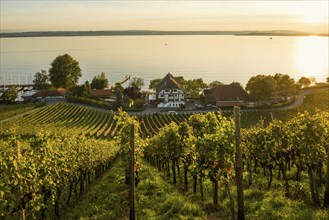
(169, 93)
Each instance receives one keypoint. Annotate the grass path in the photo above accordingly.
(107, 199)
(155, 198)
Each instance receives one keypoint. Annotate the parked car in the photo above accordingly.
(210, 106)
(172, 113)
(198, 106)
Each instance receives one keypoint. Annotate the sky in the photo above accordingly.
(60, 15)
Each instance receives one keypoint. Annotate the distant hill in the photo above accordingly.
(150, 32)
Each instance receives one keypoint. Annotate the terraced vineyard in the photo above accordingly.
(101, 124)
(87, 121)
(66, 116)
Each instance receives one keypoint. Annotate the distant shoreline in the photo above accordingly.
(154, 33)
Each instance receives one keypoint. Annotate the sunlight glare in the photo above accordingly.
(313, 13)
(312, 57)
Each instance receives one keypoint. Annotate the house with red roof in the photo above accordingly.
(50, 95)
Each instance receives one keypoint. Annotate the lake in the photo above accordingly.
(223, 57)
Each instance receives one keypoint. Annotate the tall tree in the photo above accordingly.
(261, 87)
(41, 80)
(304, 81)
(64, 72)
(137, 82)
(100, 82)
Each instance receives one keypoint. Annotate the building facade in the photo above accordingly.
(169, 93)
(226, 95)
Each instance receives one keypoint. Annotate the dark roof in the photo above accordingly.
(45, 93)
(226, 93)
(168, 82)
(101, 93)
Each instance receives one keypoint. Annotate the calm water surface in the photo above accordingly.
(223, 58)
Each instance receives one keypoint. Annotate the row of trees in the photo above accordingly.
(65, 73)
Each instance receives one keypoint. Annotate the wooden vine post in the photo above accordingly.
(238, 164)
(132, 174)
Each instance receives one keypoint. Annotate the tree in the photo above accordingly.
(181, 81)
(261, 87)
(304, 81)
(133, 92)
(10, 95)
(194, 87)
(236, 84)
(137, 82)
(285, 85)
(118, 96)
(214, 84)
(64, 72)
(154, 83)
(83, 90)
(41, 80)
(100, 82)
(327, 79)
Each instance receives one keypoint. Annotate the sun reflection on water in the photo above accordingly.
(311, 58)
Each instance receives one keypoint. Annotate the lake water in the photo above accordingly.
(223, 58)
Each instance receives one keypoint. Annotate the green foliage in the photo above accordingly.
(10, 111)
(118, 96)
(136, 82)
(100, 82)
(35, 169)
(64, 72)
(139, 103)
(108, 199)
(68, 117)
(214, 84)
(41, 80)
(91, 102)
(9, 95)
(133, 92)
(304, 81)
(83, 90)
(286, 86)
(125, 123)
(154, 83)
(158, 199)
(194, 87)
(261, 87)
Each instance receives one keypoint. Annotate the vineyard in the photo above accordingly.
(51, 156)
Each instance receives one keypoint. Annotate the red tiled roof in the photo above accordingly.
(45, 93)
(101, 93)
(225, 93)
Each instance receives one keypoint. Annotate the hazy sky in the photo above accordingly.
(44, 15)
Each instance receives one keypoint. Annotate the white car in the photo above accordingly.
(172, 113)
